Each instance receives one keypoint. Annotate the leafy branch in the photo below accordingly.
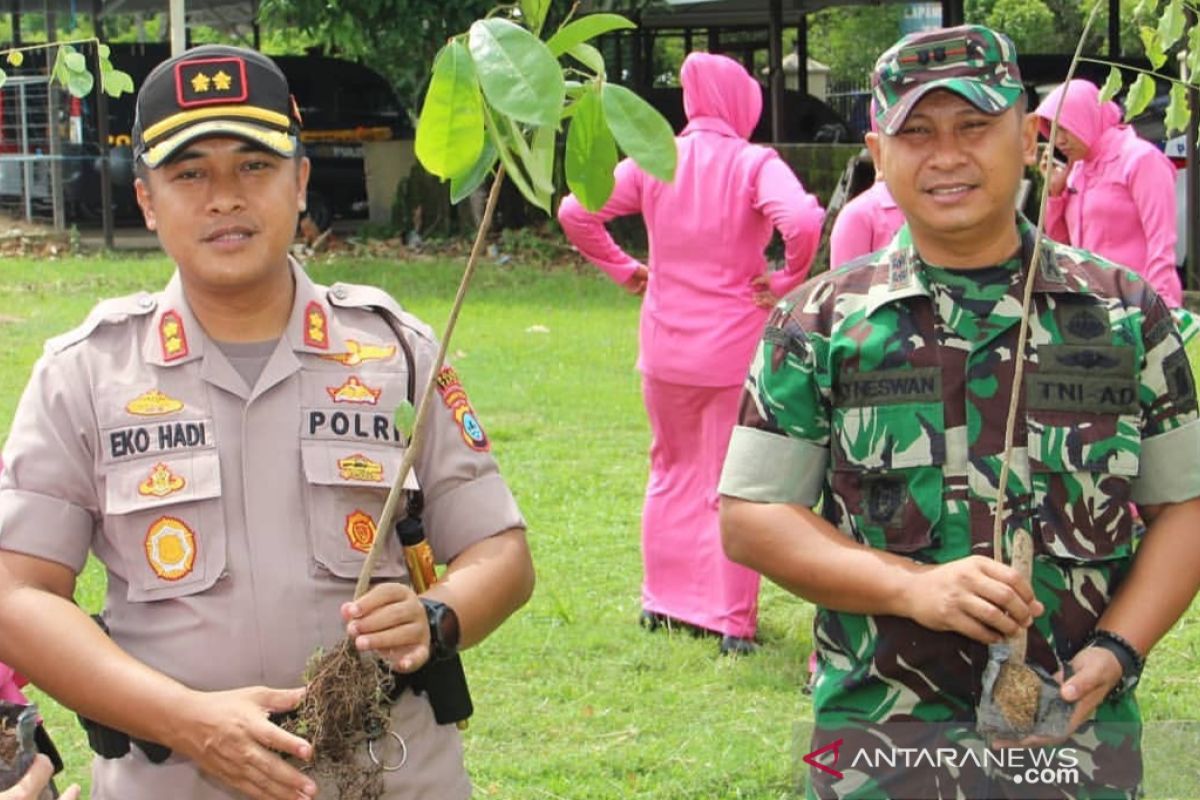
(496, 103)
(70, 67)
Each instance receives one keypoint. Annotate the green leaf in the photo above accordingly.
(74, 61)
(591, 154)
(585, 28)
(519, 76)
(640, 131)
(589, 56)
(462, 186)
(1178, 111)
(16, 58)
(80, 83)
(1112, 85)
(116, 83)
(1193, 54)
(541, 159)
(1141, 92)
(1170, 24)
(3, 78)
(1144, 9)
(1154, 48)
(513, 168)
(534, 12)
(403, 418)
(450, 129)
(104, 51)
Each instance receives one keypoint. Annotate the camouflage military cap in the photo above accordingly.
(975, 62)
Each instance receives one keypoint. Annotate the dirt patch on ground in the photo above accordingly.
(19, 239)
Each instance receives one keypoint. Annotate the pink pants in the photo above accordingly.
(686, 573)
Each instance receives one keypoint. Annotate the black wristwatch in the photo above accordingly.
(443, 629)
(1127, 656)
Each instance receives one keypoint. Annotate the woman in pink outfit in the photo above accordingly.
(864, 225)
(1116, 195)
(707, 296)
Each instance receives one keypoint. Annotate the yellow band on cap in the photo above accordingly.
(277, 141)
(232, 110)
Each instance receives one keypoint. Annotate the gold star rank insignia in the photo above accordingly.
(211, 81)
(200, 82)
(222, 81)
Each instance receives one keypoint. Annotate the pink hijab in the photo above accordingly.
(717, 87)
(1083, 114)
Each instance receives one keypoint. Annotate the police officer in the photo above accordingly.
(224, 447)
(882, 390)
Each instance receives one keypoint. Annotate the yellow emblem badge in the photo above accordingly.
(360, 468)
(171, 548)
(360, 530)
(152, 404)
(171, 336)
(354, 391)
(358, 352)
(161, 482)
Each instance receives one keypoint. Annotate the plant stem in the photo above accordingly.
(1023, 336)
(383, 530)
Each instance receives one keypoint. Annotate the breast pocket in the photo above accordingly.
(1081, 472)
(348, 484)
(887, 474)
(164, 520)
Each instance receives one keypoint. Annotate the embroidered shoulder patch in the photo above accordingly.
(170, 548)
(455, 398)
(316, 326)
(153, 403)
(171, 336)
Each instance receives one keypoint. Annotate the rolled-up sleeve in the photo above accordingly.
(779, 452)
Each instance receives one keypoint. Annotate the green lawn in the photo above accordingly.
(573, 700)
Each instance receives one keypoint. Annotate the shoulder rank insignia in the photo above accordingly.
(455, 398)
(316, 326)
(360, 530)
(360, 468)
(153, 403)
(172, 336)
(161, 482)
(358, 352)
(170, 548)
(354, 391)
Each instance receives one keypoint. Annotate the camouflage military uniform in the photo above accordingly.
(881, 390)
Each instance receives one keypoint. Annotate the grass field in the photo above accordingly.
(573, 700)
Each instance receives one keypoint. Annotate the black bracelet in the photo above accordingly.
(1132, 662)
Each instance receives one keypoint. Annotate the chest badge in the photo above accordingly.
(354, 391)
(170, 548)
(358, 352)
(171, 336)
(153, 404)
(316, 326)
(161, 482)
(360, 530)
(360, 468)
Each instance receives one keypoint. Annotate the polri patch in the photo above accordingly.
(358, 352)
(161, 482)
(172, 336)
(170, 548)
(354, 391)
(360, 530)
(316, 326)
(455, 398)
(153, 403)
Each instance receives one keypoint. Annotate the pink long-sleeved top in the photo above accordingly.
(1120, 201)
(707, 231)
(864, 225)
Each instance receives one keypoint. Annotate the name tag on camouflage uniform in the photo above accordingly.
(1100, 379)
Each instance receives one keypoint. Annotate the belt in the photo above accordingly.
(109, 742)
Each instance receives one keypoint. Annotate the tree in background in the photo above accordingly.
(850, 38)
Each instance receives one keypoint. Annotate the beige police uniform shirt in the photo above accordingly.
(233, 520)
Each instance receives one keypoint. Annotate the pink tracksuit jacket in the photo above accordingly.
(1120, 201)
(707, 232)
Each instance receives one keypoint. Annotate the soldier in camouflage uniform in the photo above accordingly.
(880, 392)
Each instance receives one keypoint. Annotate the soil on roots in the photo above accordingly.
(1017, 692)
(346, 705)
(9, 746)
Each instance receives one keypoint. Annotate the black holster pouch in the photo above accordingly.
(109, 742)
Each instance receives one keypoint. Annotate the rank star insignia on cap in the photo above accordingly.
(214, 90)
(976, 63)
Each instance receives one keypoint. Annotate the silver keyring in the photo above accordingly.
(403, 753)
